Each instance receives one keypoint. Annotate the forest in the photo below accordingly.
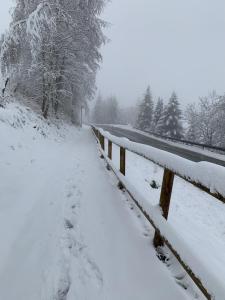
(50, 57)
(51, 53)
(201, 122)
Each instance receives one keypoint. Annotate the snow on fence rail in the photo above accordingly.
(203, 175)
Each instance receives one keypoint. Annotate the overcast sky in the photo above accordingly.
(5, 6)
(170, 44)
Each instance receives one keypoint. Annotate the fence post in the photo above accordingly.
(122, 165)
(98, 135)
(123, 160)
(109, 149)
(165, 197)
(102, 141)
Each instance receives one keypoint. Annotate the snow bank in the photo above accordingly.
(19, 116)
(213, 284)
(207, 174)
(51, 208)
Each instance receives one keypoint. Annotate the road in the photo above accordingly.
(137, 137)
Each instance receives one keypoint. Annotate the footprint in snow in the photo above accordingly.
(68, 224)
(69, 195)
(96, 271)
(79, 194)
(89, 271)
(64, 288)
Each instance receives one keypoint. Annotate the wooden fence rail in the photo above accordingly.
(164, 203)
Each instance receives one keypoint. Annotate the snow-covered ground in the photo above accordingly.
(197, 217)
(66, 230)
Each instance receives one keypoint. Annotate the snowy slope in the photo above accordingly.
(196, 217)
(66, 231)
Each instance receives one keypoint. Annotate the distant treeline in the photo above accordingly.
(203, 122)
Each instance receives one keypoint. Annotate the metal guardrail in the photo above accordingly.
(165, 197)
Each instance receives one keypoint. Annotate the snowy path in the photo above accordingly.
(120, 261)
(66, 231)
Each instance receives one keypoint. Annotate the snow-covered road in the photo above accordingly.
(66, 230)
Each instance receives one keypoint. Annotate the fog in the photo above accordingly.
(171, 45)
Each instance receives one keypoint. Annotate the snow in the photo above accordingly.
(196, 225)
(209, 175)
(66, 230)
(210, 279)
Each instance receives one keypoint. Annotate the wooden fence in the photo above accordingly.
(165, 197)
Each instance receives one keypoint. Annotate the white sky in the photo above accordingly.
(5, 6)
(170, 44)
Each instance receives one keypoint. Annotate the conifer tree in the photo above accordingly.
(112, 110)
(145, 116)
(161, 126)
(106, 111)
(97, 111)
(158, 112)
(192, 133)
(172, 118)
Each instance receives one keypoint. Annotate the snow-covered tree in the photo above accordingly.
(161, 125)
(206, 120)
(192, 118)
(106, 111)
(145, 115)
(209, 114)
(112, 110)
(51, 53)
(173, 118)
(128, 115)
(220, 136)
(97, 111)
(158, 113)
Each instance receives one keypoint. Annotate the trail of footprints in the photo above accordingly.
(74, 248)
